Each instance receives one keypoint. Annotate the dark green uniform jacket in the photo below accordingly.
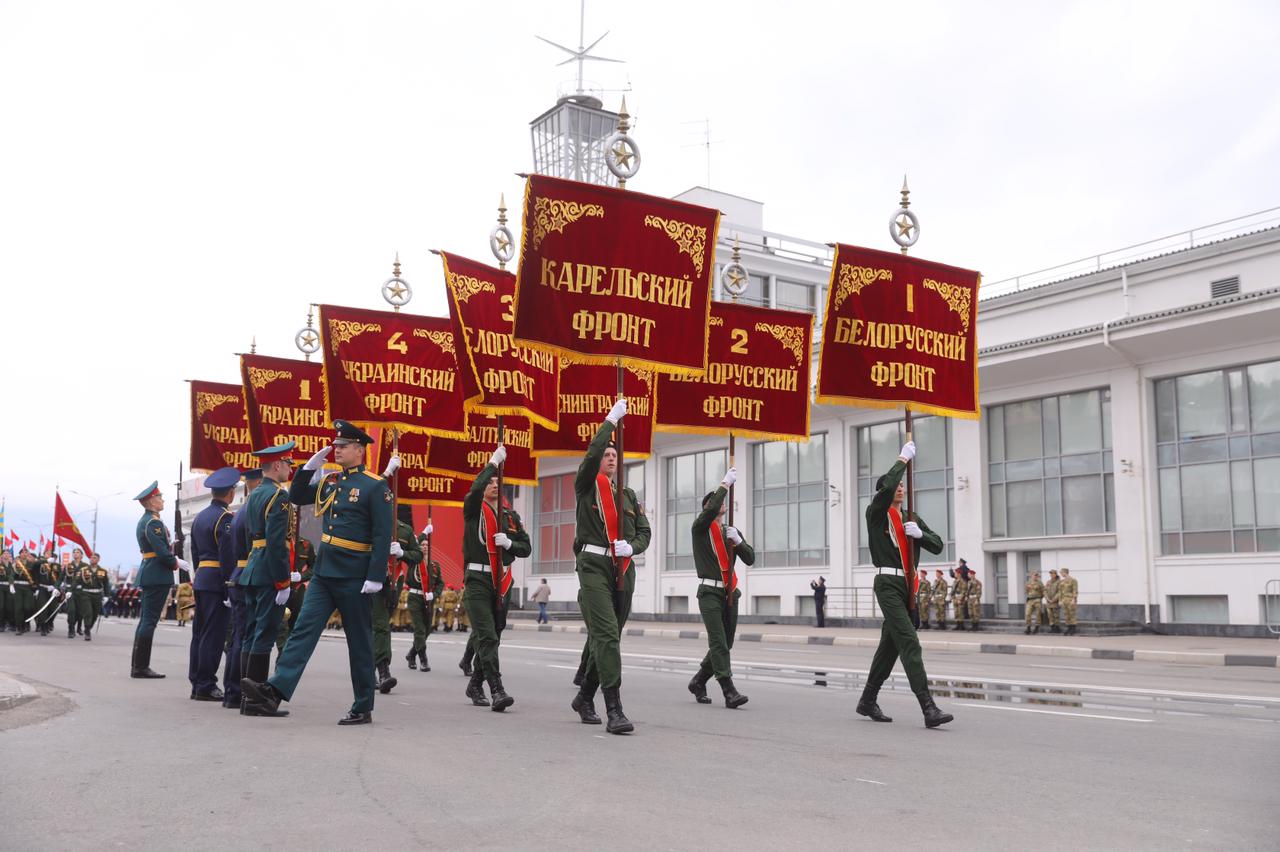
(704, 554)
(355, 510)
(884, 550)
(158, 561)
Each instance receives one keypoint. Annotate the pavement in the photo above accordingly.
(1057, 754)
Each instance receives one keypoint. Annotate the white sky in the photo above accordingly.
(179, 177)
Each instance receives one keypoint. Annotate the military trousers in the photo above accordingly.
(898, 638)
(208, 634)
(231, 673)
(80, 602)
(75, 600)
(596, 600)
(261, 618)
(91, 610)
(420, 613)
(21, 606)
(1053, 611)
(294, 603)
(480, 602)
(1069, 612)
(6, 606)
(720, 617)
(381, 627)
(324, 595)
(1033, 611)
(153, 598)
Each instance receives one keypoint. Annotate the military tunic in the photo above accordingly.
(959, 597)
(213, 555)
(267, 572)
(74, 605)
(155, 575)
(939, 600)
(235, 666)
(91, 586)
(973, 599)
(1051, 598)
(1069, 593)
(923, 598)
(1035, 595)
(719, 614)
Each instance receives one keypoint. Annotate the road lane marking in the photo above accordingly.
(1052, 712)
(869, 781)
(1073, 668)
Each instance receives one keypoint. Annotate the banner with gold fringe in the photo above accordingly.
(605, 274)
(587, 392)
(415, 484)
(900, 332)
(467, 458)
(284, 401)
(219, 427)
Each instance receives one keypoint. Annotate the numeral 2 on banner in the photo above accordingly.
(739, 346)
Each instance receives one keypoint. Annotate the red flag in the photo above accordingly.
(66, 528)
(42, 539)
(31, 545)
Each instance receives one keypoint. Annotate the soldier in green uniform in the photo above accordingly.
(715, 548)
(156, 576)
(959, 597)
(1069, 594)
(91, 585)
(973, 599)
(489, 546)
(6, 594)
(404, 547)
(891, 538)
(939, 599)
(1050, 604)
(351, 563)
(23, 600)
(304, 560)
(1035, 594)
(424, 582)
(72, 607)
(924, 598)
(48, 592)
(606, 537)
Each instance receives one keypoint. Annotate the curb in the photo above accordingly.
(1186, 658)
(14, 692)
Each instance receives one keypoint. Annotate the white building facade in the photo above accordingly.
(1130, 432)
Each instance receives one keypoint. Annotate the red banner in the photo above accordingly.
(900, 333)
(391, 369)
(219, 427)
(508, 378)
(416, 485)
(587, 392)
(284, 401)
(64, 526)
(606, 274)
(468, 458)
(757, 379)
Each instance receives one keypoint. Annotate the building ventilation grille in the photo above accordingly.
(1225, 287)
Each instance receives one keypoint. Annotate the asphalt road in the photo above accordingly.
(1044, 754)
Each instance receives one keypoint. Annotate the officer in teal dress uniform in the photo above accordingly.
(155, 576)
(351, 564)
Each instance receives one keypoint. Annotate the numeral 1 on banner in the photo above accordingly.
(304, 390)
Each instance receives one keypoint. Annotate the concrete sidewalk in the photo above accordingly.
(1151, 648)
(14, 692)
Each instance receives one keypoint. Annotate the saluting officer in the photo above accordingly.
(715, 548)
(214, 552)
(237, 657)
(156, 576)
(488, 551)
(355, 506)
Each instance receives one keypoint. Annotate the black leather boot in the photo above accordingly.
(465, 665)
(386, 682)
(868, 707)
(354, 718)
(259, 697)
(924, 625)
(475, 690)
(581, 673)
(698, 686)
(975, 627)
(1035, 630)
(142, 660)
(88, 635)
(71, 632)
(1027, 632)
(618, 722)
(733, 699)
(1057, 629)
(501, 701)
(584, 703)
(422, 655)
(933, 717)
(412, 659)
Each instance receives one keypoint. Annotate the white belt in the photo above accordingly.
(596, 549)
(90, 591)
(429, 595)
(715, 584)
(888, 569)
(476, 566)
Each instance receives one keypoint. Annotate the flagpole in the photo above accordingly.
(904, 228)
(734, 279)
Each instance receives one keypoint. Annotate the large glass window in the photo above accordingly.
(796, 295)
(789, 492)
(878, 448)
(555, 521)
(689, 478)
(1218, 454)
(1050, 466)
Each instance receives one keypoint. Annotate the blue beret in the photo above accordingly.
(277, 452)
(349, 433)
(227, 477)
(153, 488)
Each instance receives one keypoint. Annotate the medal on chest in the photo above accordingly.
(353, 496)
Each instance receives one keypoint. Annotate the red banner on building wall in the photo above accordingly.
(392, 369)
(415, 484)
(900, 332)
(587, 392)
(504, 376)
(219, 427)
(757, 379)
(606, 273)
(467, 458)
(284, 401)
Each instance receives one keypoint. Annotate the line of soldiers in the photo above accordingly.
(35, 589)
(965, 597)
(1054, 601)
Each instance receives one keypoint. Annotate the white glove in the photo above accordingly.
(427, 530)
(912, 529)
(226, 603)
(282, 597)
(370, 588)
(908, 451)
(730, 477)
(733, 535)
(396, 550)
(621, 549)
(618, 411)
(184, 565)
(393, 464)
(501, 540)
(316, 462)
(295, 577)
(430, 596)
(499, 456)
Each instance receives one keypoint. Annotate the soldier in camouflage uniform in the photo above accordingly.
(959, 593)
(940, 599)
(923, 596)
(1069, 593)
(1035, 595)
(974, 600)
(1050, 604)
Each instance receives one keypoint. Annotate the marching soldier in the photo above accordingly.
(355, 508)
(6, 594)
(715, 548)
(940, 599)
(609, 536)
(448, 603)
(405, 548)
(895, 547)
(237, 657)
(424, 583)
(488, 549)
(1035, 594)
(959, 597)
(48, 592)
(92, 586)
(214, 552)
(974, 599)
(155, 577)
(69, 578)
(266, 579)
(1069, 594)
(24, 588)
(924, 599)
(1051, 601)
